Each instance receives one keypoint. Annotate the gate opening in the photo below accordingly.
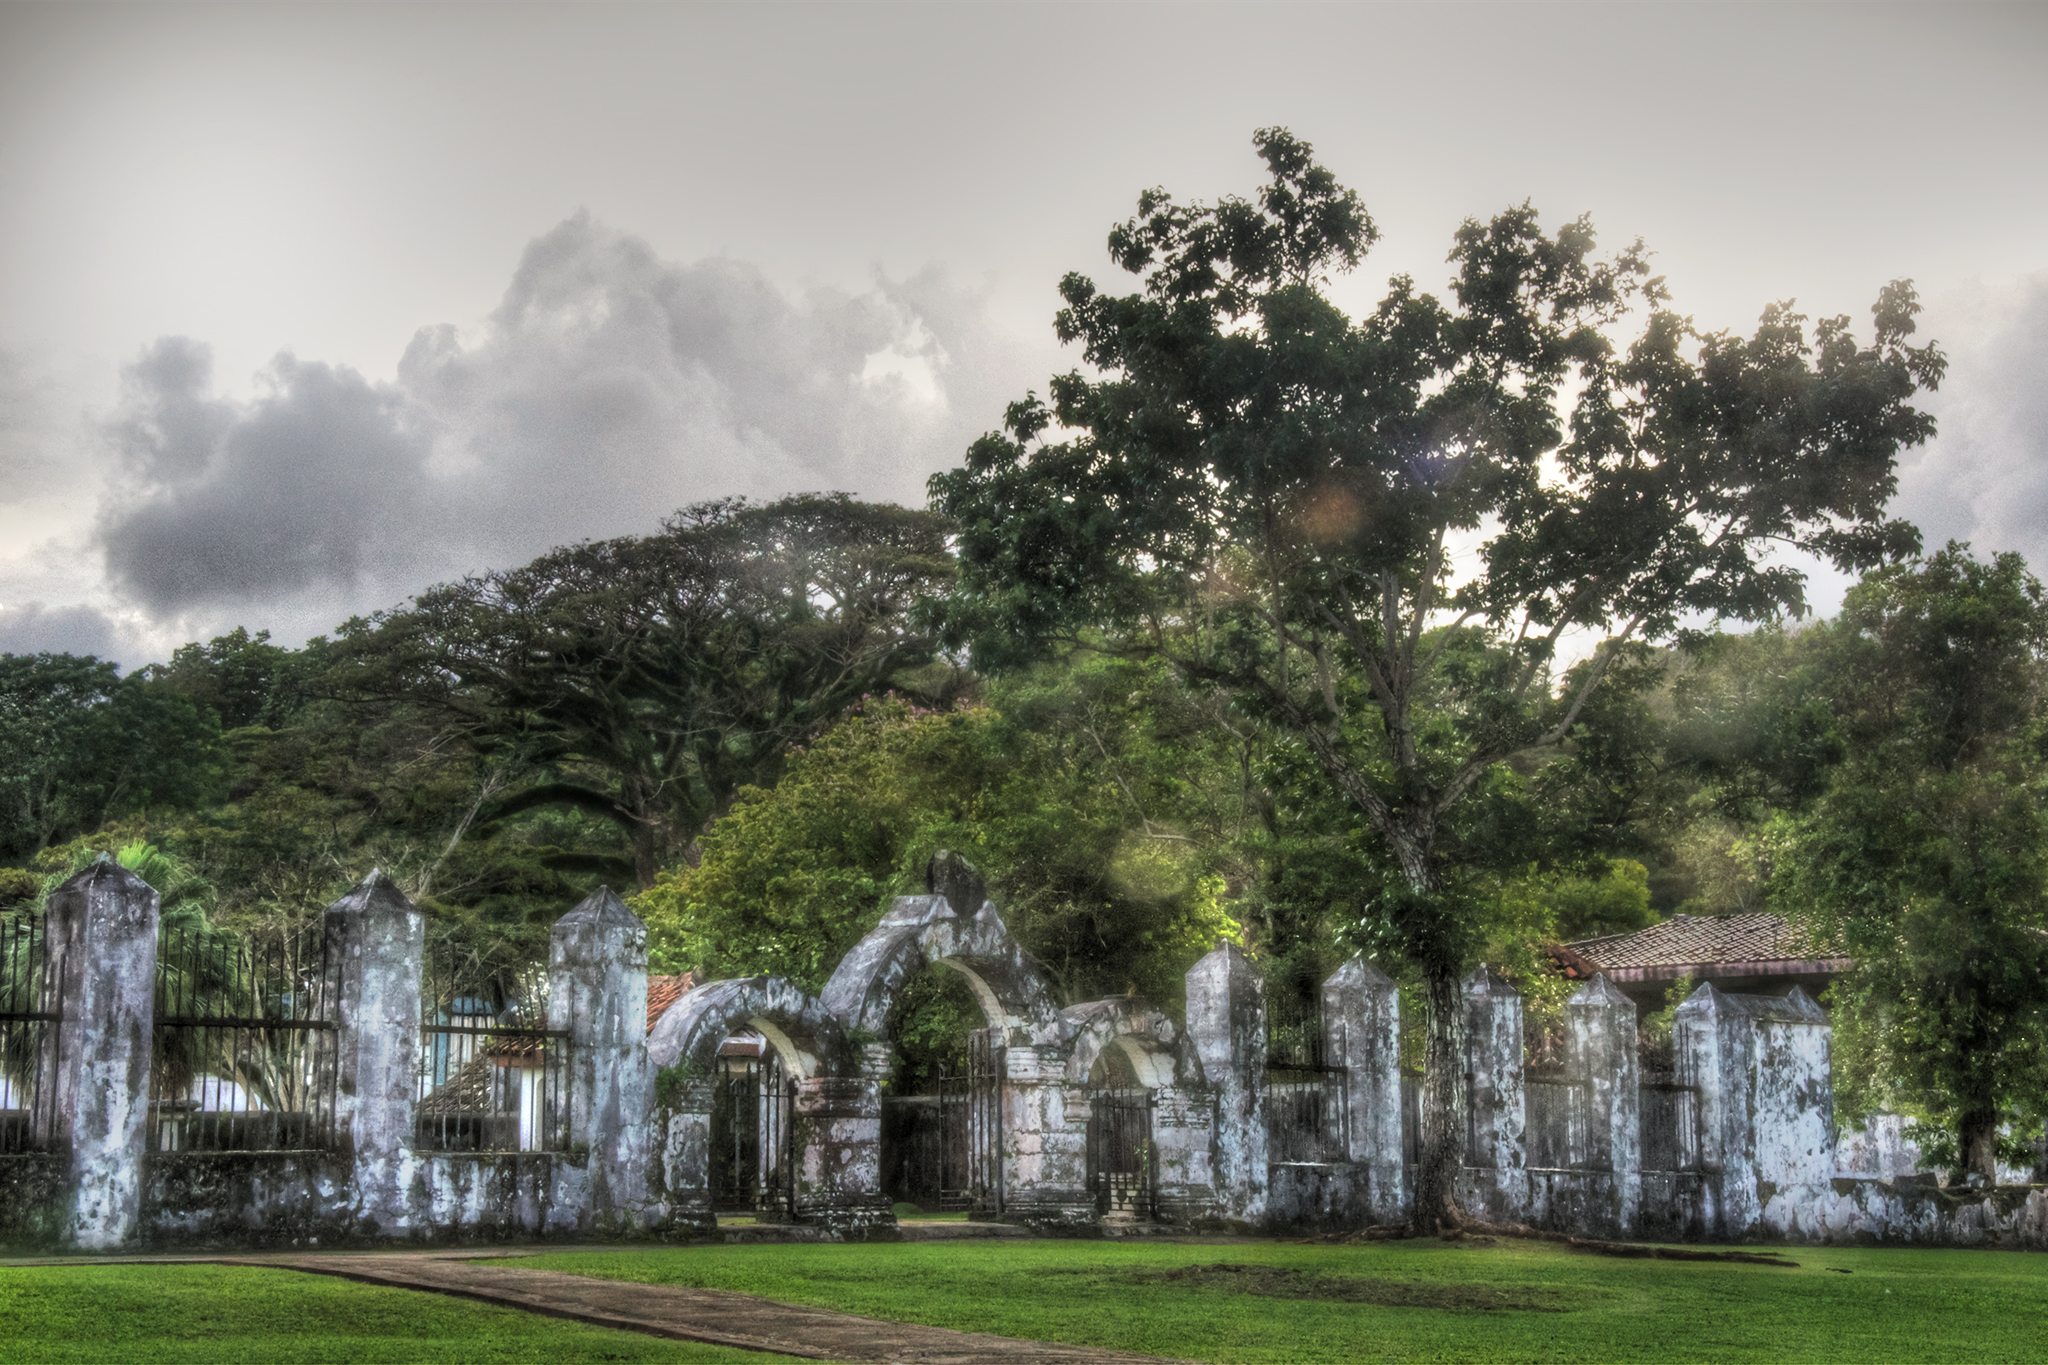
(753, 1171)
(1122, 1165)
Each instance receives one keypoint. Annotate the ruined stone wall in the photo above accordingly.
(1741, 1147)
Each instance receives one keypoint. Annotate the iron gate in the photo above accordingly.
(29, 1014)
(1120, 1160)
(985, 1058)
(243, 1054)
(492, 1076)
(753, 1169)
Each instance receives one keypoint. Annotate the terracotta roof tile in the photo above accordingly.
(663, 991)
(1698, 940)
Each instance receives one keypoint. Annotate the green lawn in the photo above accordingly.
(1422, 1300)
(227, 1315)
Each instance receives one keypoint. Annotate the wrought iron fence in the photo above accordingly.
(242, 1055)
(987, 1059)
(1306, 1115)
(492, 1076)
(29, 1013)
(1669, 1116)
(925, 1144)
(1555, 1117)
(1120, 1156)
(752, 1165)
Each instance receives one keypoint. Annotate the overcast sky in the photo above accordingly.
(303, 308)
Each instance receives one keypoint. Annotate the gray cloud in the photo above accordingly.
(608, 388)
(1984, 477)
(33, 628)
(304, 486)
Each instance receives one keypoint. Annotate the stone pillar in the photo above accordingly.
(376, 939)
(838, 1147)
(1600, 1054)
(1182, 1123)
(597, 991)
(100, 963)
(1227, 1033)
(1045, 1140)
(1760, 1064)
(1495, 1178)
(1362, 1034)
(686, 1153)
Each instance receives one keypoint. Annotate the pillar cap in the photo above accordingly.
(1600, 993)
(104, 872)
(601, 907)
(1485, 984)
(1359, 974)
(374, 894)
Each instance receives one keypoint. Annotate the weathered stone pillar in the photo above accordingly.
(1045, 1140)
(838, 1146)
(101, 964)
(1600, 1054)
(1183, 1117)
(1362, 1034)
(1760, 1064)
(686, 1153)
(597, 990)
(1227, 1032)
(376, 939)
(1495, 1178)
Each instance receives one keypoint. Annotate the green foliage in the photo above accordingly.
(645, 680)
(1927, 856)
(1096, 810)
(1266, 494)
(80, 745)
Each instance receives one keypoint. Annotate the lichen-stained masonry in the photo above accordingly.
(1106, 1116)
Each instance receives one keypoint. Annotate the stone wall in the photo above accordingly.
(1742, 1146)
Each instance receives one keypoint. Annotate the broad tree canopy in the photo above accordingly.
(644, 679)
(1376, 532)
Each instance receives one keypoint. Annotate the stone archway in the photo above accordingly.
(924, 931)
(835, 1124)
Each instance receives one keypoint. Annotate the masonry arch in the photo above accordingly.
(1129, 1036)
(806, 1036)
(922, 931)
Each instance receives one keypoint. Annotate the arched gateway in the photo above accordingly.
(815, 1124)
(1098, 1109)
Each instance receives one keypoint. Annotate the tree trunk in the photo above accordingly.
(1977, 1134)
(1445, 1096)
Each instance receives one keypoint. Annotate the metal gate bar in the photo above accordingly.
(29, 1015)
(1120, 1157)
(242, 1049)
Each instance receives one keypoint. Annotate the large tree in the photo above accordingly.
(80, 744)
(1376, 534)
(645, 679)
(1927, 853)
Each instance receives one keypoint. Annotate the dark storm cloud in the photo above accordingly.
(309, 484)
(608, 388)
(1984, 477)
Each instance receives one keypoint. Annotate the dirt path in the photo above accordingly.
(710, 1315)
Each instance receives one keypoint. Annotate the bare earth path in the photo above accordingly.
(717, 1316)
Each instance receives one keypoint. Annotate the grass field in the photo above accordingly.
(1404, 1301)
(229, 1315)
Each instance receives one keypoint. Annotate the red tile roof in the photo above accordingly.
(663, 991)
(1701, 940)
